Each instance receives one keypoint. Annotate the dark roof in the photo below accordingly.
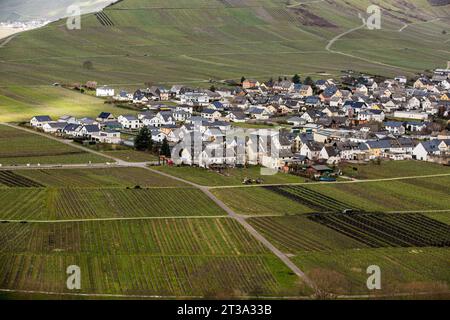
(104, 115)
(43, 118)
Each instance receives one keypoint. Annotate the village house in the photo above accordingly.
(195, 99)
(425, 151)
(104, 91)
(129, 122)
(39, 121)
(395, 127)
(54, 127)
(105, 116)
(106, 136)
(211, 114)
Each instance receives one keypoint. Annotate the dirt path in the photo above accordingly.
(406, 25)
(7, 40)
(295, 5)
(332, 42)
(331, 183)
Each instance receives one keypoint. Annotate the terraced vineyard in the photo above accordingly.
(403, 270)
(310, 198)
(104, 19)
(420, 194)
(176, 276)
(388, 230)
(209, 257)
(99, 177)
(11, 179)
(50, 204)
(202, 236)
(292, 234)
(196, 40)
(337, 261)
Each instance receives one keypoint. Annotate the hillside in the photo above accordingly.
(190, 41)
(20, 10)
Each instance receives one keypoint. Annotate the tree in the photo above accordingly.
(88, 65)
(296, 79)
(242, 80)
(212, 88)
(143, 140)
(165, 148)
(91, 85)
(309, 81)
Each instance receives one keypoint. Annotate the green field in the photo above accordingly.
(337, 263)
(21, 147)
(191, 42)
(98, 178)
(23, 103)
(229, 177)
(57, 204)
(132, 155)
(412, 270)
(194, 41)
(410, 194)
(399, 195)
(258, 201)
(392, 169)
(165, 257)
(293, 234)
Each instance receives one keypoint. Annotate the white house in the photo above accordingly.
(311, 150)
(160, 119)
(411, 115)
(157, 135)
(195, 98)
(210, 114)
(54, 127)
(394, 127)
(106, 137)
(39, 121)
(425, 149)
(129, 122)
(68, 119)
(88, 130)
(105, 91)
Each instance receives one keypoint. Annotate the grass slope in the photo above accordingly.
(229, 177)
(22, 103)
(392, 169)
(209, 257)
(96, 178)
(193, 41)
(57, 204)
(400, 195)
(20, 147)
